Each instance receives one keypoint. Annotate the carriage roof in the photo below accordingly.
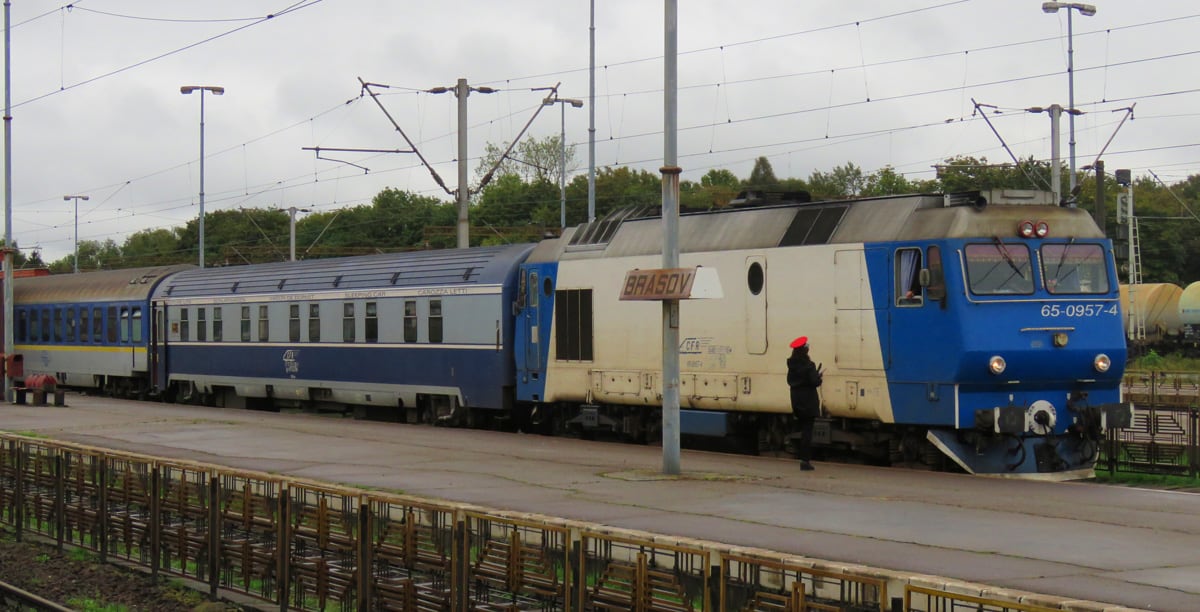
(102, 286)
(440, 268)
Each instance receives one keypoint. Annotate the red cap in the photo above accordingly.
(799, 342)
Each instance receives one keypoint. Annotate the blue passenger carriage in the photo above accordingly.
(982, 328)
(419, 335)
(90, 330)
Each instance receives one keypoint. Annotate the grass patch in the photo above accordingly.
(1157, 481)
(82, 555)
(1172, 362)
(91, 604)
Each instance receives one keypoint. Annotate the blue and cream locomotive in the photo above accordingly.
(982, 328)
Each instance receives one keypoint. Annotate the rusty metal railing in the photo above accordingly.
(1164, 437)
(301, 545)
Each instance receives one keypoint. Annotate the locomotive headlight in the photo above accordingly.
(996, 364)
(1041, 228)
(1102, 363)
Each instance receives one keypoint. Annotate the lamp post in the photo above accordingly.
(1087, 10)
(562, 141)
(216, 91)
(77, 198)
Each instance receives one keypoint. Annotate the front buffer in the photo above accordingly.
(1036, 439)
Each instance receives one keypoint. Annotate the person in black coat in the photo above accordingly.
(803, 378)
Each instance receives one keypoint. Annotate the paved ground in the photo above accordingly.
(1131, 547)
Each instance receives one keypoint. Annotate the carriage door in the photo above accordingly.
(530, 315)
(756, 305)
(158, 335)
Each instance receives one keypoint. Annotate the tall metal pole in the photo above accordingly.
(670, 215)
(292, 232)
(1071, 98)
(201, 178)
(462, 91)
(1055, 157)
(77, 198)
(8, 239)
(592, 118)
(562, 167)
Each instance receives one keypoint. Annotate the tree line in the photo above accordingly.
(521, 203)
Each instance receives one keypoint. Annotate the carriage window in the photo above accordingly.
(264, 330)
(435, 320)
(46, 325)
(22, 325)
(58, 325)
(245, 323)
(183, 325)
(72, 325)
(35, 326)
(1074, 268)
(999, 269)
(348, 322)
(201, 325)
(218, 325)
(294, 323)
(908, 282)
(136, 320)
(125, 325)
(410, 321)
(97, 325)
(371, 333)
(84, 330)
(314, 322)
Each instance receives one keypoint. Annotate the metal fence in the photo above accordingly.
(303, 545)
(1164, 437)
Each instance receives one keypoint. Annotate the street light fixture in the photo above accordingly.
(77, 198)
(562, 141)
(461, 90)
(1087, 10)
(216, 91)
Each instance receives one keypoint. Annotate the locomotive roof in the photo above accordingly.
(102, 286)
(448, 267)
(885, 219)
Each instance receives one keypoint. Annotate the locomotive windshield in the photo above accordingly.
(1074, 268)
(999, 269)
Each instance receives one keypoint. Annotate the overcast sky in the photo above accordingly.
(811, 85)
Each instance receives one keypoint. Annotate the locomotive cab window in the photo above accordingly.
(999, 269)
(908, 281)
(1074, 268)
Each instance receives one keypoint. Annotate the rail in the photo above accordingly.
(16, 599)
(298, 544)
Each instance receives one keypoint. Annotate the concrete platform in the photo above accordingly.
(1131, 547)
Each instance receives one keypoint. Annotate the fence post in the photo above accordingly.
(284, 546)
(365, 560)
(155, 522)
(19, 492)
(460, 562)
(60, 498)
(104, 523)
(214, 535)
(1194, 419)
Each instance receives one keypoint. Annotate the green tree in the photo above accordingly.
(886, 181)
(532, 159)
(842, 182)
(762, 177)
(154, 247)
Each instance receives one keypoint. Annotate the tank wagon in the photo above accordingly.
(982, 329)
(985, 327)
